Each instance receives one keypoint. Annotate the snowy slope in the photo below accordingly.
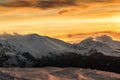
(109, 41)
(39, 46)
(23, 50)
(35, 44)
(103, 44)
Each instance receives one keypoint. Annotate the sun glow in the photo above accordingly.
(116, 19)
(68, 22)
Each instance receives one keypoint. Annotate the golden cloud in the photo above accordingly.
(95, 10)
(80, 36)
(82, 8)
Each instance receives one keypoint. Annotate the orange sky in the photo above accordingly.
(69, 20)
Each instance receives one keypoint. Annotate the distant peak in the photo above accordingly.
(88, 39)
(34, 35)
(104, 38)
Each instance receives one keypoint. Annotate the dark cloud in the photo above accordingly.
(55, 3)
(63, 11)
(101, 1)
(39, 3)
(49, 3)
(18, 3)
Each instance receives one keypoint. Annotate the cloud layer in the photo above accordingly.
(80, 36)
(82, 8)
(60, 16)
(38, 3)
(51, 3)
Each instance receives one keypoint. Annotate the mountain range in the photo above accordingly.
(39, 46)
(20, 49)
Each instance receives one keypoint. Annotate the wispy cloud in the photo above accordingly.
(80, 36)
(95, 10)
(85, 34)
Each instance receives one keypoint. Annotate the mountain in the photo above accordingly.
(27, 50)
(104, 44)
(35, 44)
(38, 45)
(109, 41)
(21, 50)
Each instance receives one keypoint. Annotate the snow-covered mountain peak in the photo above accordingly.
(101, 44)
(109, 41)
(104, 38)
(87, 40)
(33, 35)
(35, 44)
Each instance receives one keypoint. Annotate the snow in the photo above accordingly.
(109, 41)
(36, 45)
(54, 73)
(104, 44)
(21, 58)
(10, 54)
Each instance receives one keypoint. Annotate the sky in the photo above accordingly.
(68, 20)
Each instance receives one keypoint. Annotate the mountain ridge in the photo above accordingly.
(34, 50)
(35, 44)
(38, 45)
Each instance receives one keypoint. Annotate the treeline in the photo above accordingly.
(95, 61)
